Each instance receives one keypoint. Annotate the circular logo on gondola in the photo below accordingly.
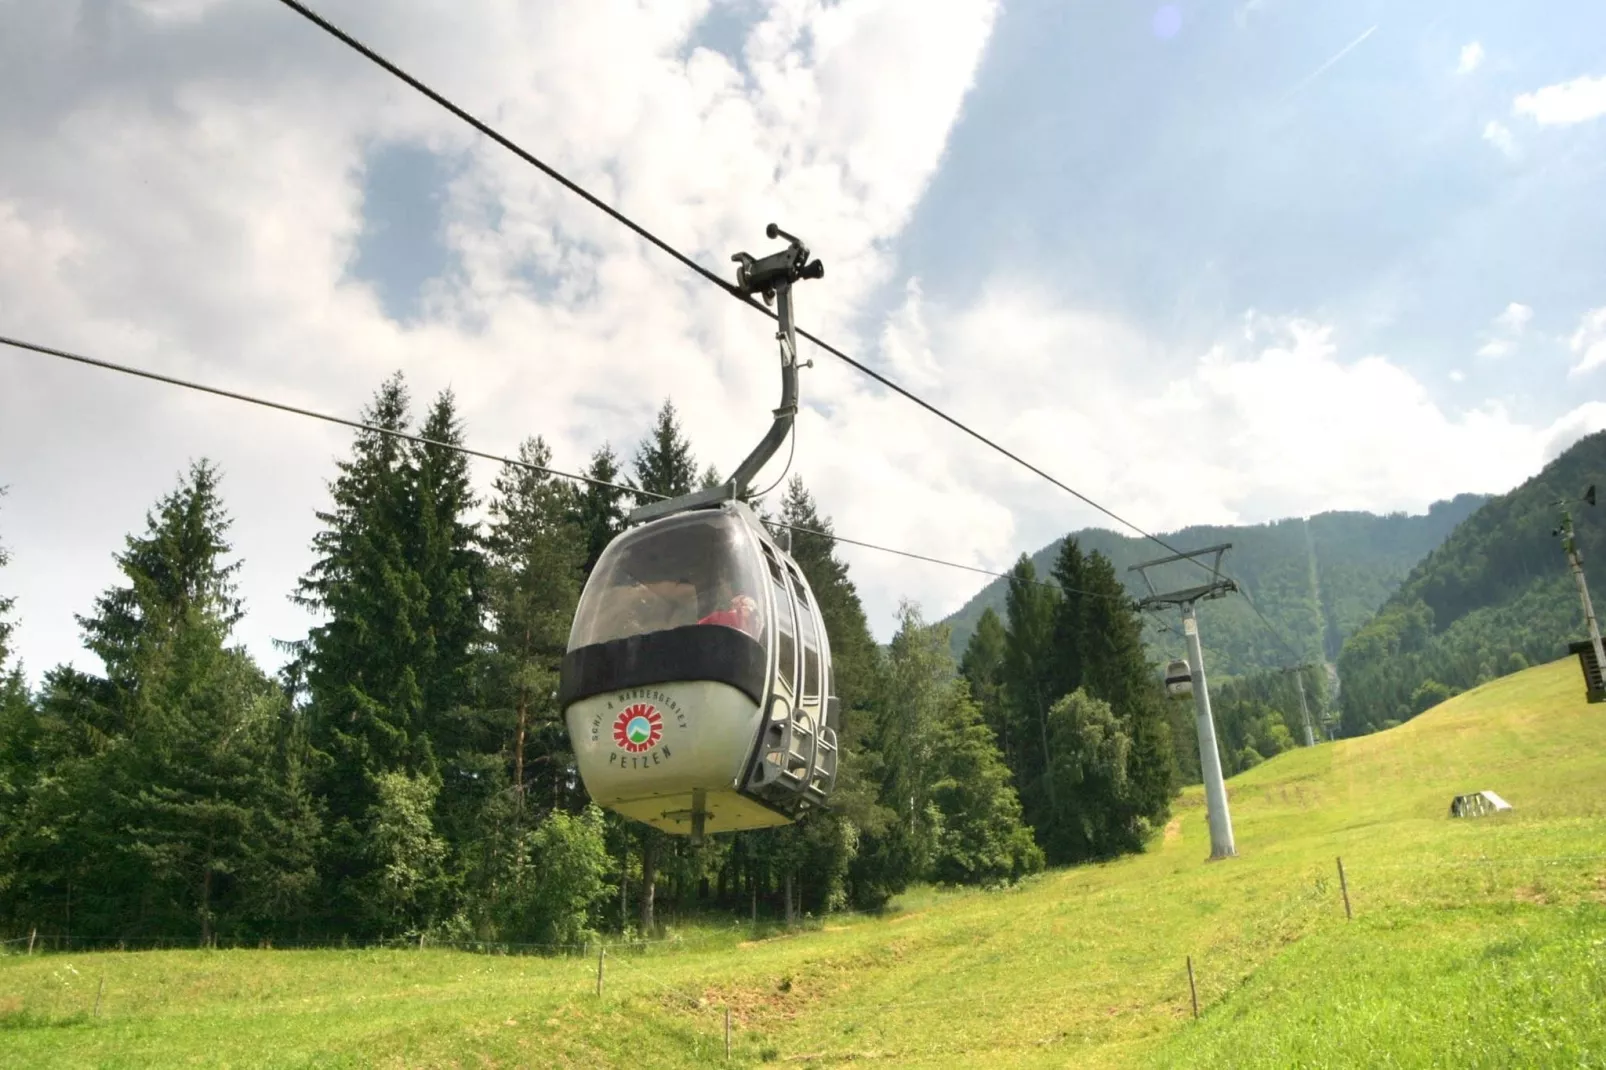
(638, 728)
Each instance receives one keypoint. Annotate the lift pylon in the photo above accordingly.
(1218, 586)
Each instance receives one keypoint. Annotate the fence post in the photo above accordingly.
(33, 932)
(727, 1034)
(602, 950)
(100, 992)
(1343, 886)
(1193, 990)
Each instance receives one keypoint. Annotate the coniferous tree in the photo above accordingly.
(447, 557)
(599, 511)
(1029, 679)
(19, 738)
(834, 853)
(664, 463)
(366, 666)
(161, 802)
(1099, 633)
(983, 667)
(537, 552)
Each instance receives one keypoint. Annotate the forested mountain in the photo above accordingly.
(1495, 597)
(1316, 580)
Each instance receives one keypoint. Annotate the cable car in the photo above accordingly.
(1178, 679)
(697, 686)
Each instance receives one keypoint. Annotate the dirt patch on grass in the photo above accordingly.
(1173, 829)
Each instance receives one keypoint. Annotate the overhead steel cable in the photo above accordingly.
(619, 217)
(530, 158)
(422, 440)
(613, 213)
(296, 410)
(1269, 626)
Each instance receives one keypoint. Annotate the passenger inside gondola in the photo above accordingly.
(701, 569)
(742, 615)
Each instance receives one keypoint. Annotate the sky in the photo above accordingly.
(1206, 262)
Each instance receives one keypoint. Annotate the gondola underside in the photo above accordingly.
(644, 752)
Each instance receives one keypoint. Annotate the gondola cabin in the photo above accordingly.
(697, 682)
(1178, 679)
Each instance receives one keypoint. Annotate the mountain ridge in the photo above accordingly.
(1317, 579)
(1495, 596)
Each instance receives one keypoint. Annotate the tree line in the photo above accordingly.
(407, 772)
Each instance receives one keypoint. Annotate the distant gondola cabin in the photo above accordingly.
(1178, 679)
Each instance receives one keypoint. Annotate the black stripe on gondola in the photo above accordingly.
(702, 652)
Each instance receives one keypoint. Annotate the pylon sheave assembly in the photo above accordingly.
(697, 686)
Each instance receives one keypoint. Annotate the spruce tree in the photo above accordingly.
(1071, 627)
(1098, 647)
(1029, 678)
(983, 668)
(537, 552)
(448, 559)
(160, 807)
(599, 511)
(364, 665)
(663, 462)
(834, 854)
(19, 760)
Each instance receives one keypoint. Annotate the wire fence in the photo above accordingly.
(848, 1020)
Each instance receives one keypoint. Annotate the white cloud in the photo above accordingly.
(1471, 58)
(1457, 375)
(1276, 423)
(1498, 134)
(1586, 419)
(195, 207)
(1577, 101)
(1508, 328)
(1589, 341)
(1515, 317)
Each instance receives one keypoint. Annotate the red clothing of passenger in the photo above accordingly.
(743, 616)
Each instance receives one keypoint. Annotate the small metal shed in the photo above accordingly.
(1477, 804)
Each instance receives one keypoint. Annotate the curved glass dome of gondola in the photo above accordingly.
(697, 683)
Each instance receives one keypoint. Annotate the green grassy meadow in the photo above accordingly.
(1477, 942)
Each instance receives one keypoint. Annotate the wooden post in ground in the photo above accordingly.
(1193, 990)
(1343, 886)
(727, 1034)
(32, 933)
(100, 992)
(601, 951)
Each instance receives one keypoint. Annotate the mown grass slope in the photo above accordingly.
(1474, 943)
